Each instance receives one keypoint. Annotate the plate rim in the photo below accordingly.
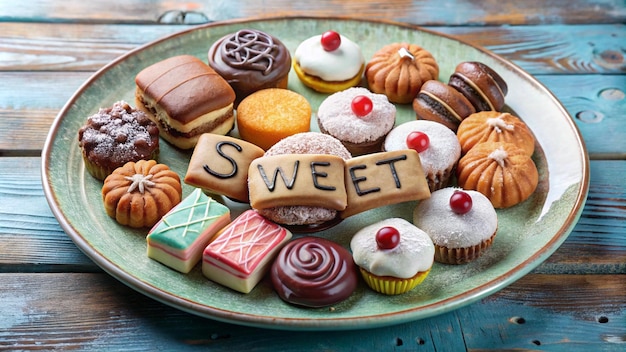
(317, 324)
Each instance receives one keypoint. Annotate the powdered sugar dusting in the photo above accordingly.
(498, 124)
(309, 143)
(118, 133)
(443, 151)
(335, 115)
(449, 229)
(499, 155)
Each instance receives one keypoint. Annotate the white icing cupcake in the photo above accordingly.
(441, 154)
(337, 65)
(360, 133)
(393, 255)
(459, 235)
(329, 62)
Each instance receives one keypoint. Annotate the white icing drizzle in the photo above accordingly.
(498, 124)
(415, 252)
(140, 182)
(499, 155)
(337, 65)
(403, 52)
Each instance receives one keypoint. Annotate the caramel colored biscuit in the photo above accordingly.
(297, 179)
(219, 164)
(376, 180)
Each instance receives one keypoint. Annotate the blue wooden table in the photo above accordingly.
(54, 297)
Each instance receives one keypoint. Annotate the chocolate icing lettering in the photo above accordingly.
(218, 148)
(392, 167)
(356, 180)
(317, 174)
(271, 185)
(251, 50)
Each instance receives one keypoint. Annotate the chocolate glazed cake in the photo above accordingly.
(250, 60)
(186, 98)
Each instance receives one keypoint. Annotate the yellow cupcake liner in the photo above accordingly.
(391, 285)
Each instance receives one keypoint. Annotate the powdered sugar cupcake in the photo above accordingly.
(393, 255)
(438, 148)
(461, 223)
(357, 117)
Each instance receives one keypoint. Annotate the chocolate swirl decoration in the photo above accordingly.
(314, 272)
(251, 50)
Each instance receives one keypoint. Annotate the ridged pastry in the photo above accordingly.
(503, 172)
(399, 70)
(493, 126)
(140, 194)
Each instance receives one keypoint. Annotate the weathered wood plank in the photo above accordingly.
(29, 102)
(29, 233)
(426, 12)
(537, 49)
(544, 313)
(104, 314)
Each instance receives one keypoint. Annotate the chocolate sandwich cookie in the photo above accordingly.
(441, 103)
(480, 84)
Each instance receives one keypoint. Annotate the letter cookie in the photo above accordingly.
(219, 164)
(297, 179)
(376, 180)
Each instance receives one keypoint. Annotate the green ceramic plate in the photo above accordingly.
(527, 235)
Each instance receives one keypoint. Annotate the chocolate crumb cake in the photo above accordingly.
(116, 135)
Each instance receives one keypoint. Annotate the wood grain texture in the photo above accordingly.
(104, 314)
(575, 49)
(424, 12)
(52, 297)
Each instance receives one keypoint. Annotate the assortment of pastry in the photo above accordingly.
(462, 158)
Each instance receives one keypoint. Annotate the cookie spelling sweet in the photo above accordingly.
(219, 164)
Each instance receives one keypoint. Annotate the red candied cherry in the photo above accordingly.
(460, 202)
(362, 105)
(387, 237)
(331, 40)
(418, 141)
